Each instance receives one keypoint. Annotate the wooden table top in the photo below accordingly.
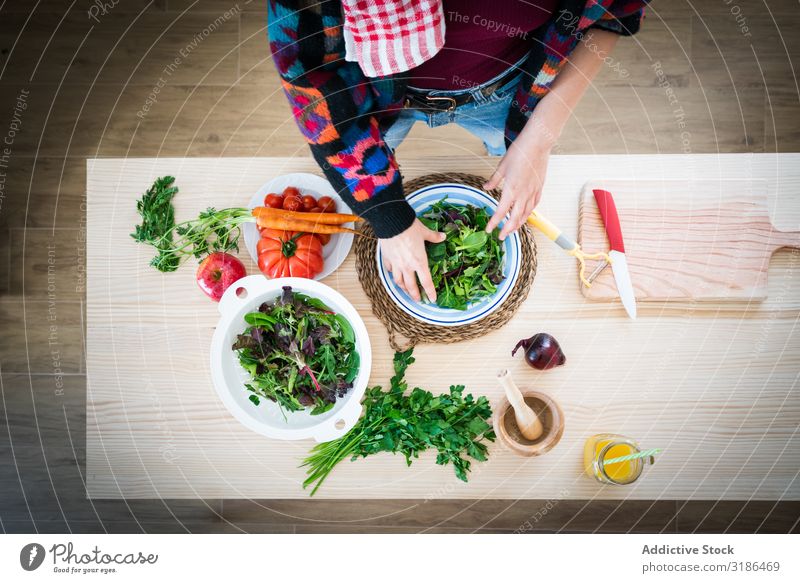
(714, 385)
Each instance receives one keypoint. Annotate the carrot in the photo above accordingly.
(322, 218)
(286, 224)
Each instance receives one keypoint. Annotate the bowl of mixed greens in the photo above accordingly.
(290, 358)
(472, 270)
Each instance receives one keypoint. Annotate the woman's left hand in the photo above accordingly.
(521, 175)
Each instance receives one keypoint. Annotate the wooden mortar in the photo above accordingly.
(549, 412)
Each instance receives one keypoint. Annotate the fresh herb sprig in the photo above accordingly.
(213, 230)
(158, 222)
(452, 423)
(468, 264)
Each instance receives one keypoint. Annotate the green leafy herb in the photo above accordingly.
(158, 221)
(454, 424)
(213, 230)
(298, 352)
(468, 264)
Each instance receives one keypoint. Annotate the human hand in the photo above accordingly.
(521, 175)
(404, 255)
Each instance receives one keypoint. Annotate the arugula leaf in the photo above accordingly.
(328, 361)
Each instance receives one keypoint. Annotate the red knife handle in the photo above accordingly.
(608, 211)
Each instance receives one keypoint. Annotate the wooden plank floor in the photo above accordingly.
(85, 83)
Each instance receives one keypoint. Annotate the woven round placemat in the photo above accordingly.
(406, 331)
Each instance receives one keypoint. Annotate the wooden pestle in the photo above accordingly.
(529, 424)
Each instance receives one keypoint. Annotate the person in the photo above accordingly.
(359, 73)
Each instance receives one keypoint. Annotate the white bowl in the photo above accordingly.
(335, 252)
(246, 295)
(421, 200)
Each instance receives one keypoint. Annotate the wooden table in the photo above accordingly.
(714, 385)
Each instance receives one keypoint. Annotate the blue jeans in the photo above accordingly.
(484, 117)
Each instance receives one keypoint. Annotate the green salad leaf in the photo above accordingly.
(298, 352)
(468, 265)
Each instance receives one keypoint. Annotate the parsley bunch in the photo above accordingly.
(453, 423)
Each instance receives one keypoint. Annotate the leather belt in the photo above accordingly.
(422, 99)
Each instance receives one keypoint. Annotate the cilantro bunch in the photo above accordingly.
(468, 265)
(454, 424)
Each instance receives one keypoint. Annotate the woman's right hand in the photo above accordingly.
(404, 255)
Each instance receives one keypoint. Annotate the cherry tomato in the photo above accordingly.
(292, 203)
(316, 209)
(292, 191)
(323, 237)
(327, 204)
(309, 202)
(273, 200)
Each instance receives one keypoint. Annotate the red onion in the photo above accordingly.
(541, 351)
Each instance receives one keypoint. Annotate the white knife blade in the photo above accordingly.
(619, 265)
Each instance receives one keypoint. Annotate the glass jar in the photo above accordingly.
(606, 446)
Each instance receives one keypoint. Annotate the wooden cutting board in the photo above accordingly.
(686, 240)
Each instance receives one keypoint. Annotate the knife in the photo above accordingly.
(619, 263)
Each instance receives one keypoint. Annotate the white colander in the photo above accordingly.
(229, 377)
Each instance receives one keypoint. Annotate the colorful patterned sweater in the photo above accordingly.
(343, 114)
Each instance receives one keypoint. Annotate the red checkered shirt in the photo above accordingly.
(386, 36)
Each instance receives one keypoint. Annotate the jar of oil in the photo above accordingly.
(606, 446)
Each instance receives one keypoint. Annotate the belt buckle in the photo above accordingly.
(449, 100)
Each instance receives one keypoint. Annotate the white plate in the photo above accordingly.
(335, 252)
(421, 200)
(229, 377)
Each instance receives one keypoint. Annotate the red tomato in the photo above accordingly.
(327, 204)
(292, 203)
(309, 202)
(289, 254)
(324, 238)
(273, 200)
(292, 191)
(316, 209)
